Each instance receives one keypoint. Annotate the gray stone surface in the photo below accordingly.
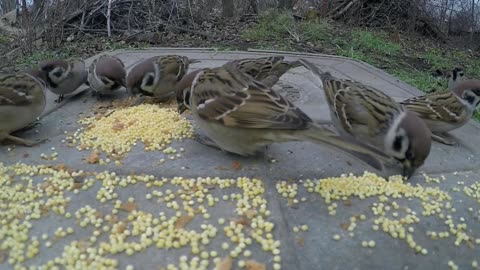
(296, 161)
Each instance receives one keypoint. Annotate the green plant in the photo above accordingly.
(273, 25)
(375, 42)
(315, 31)
(38, 56)
(437, 59)
(5, 39)
(422, 80)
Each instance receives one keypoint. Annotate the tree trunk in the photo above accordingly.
(324, 8)
(413, 18)
(228, 8)
(109, 12)
(443, 14)
(473, 23)
(25, 8)
(7, 5)
(285, 4)
(254, 6)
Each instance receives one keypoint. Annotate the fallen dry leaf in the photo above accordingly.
(243, 220)
(77, 185)
(61, 167)
(225, 264)
(254, 265)
(236, 165)
(347, 203)
(182, 221)
(344, 226)
(301, 241)
(93, 158)
(26, 155)
(128, 206)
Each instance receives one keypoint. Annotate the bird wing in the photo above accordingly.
(360, 109)
(235, 99)
(443, 107)
(16, 90)
(172, 65)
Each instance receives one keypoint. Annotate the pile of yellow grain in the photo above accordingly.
(121, 129)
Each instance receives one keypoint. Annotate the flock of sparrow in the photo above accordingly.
(236, 107)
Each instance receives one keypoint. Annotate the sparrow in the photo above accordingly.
(106, 74)
(158, 75)
(371, 116)
(242, 116)
(449, 110)
(455, 76)
(266, 70)
(62, 76)
(22, 100)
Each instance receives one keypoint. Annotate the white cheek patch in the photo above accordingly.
(148, 77)
(470, 100)
(57, 79)
(392, 135)
(156, 74)
(106, 81)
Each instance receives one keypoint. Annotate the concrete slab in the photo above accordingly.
(311, 249)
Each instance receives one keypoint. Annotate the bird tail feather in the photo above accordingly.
(370, 155)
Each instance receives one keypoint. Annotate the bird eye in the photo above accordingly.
(397, 143)
(150, 81)
(409, 155)
(58, 74)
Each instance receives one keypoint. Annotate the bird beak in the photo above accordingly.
(191, 61)
(408, 169)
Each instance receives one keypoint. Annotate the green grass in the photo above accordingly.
(272, 26)
(435, 58)
(422, 80)
(316, 32)
(27, 61)
(5, 39)
(276, 29)
(373, 48)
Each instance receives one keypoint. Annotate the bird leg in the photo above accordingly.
(59, 99)
(32, 125)
(21, 141)
(442, 139)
